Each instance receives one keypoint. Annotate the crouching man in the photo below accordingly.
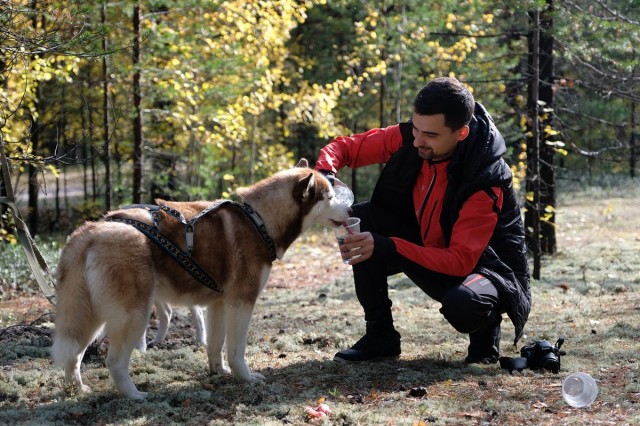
(444, 212)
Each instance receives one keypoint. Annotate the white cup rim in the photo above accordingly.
(351, 221)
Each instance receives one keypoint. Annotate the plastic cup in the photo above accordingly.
(348, 227)
(579, 390)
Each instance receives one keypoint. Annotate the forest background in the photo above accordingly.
(108, 103)
(104, 104)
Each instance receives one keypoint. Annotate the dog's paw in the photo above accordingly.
(138, 396)
(250, 377)
(257, 377)
(84, 389)
(221, 369)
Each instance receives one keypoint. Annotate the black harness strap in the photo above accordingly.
(184, 257)
(257, 222)
(180, 256)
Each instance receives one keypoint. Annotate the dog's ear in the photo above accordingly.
(303, 163)
(306, 188)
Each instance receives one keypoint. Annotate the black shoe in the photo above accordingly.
(484, 345)
(472, 359)
(375, 345)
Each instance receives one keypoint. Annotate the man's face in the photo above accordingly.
(434, 140)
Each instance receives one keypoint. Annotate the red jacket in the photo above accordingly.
(473, 228)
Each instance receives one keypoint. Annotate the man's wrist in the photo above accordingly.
(383, 246)
(329, 175)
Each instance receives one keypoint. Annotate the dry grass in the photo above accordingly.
(589, 293)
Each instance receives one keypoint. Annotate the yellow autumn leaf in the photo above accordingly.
(550, 131)
(53, 170)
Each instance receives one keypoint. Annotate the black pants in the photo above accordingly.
(470, 304)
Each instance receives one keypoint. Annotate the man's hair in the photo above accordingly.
(445, 95)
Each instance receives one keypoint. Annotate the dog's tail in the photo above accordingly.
(76, 324)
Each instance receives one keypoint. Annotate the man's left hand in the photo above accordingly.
(358, 247)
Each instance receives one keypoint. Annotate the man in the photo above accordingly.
(443, 212)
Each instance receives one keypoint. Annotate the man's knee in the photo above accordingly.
(464, 310)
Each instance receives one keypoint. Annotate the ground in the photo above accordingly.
(589, 292)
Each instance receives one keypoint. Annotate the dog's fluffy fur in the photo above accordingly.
(110, 274)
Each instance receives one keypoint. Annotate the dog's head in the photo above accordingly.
(296, 198)
(317, 196)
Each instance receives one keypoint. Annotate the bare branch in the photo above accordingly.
(617, 15)
(598, 153)
(591, 117)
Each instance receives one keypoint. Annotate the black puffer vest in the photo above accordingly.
(476, 165)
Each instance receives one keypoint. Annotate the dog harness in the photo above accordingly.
(183, 257)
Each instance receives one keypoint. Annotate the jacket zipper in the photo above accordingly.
(426, 198)
(433, 210)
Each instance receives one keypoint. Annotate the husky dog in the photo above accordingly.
(110, 273)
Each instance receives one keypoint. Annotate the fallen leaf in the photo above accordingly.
(539, 405)
(323, 408)
(313, 413)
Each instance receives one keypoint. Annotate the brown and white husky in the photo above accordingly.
(110, 273)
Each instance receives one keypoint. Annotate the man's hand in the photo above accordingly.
(358, 247)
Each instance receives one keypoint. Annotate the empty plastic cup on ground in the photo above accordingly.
(579, 390)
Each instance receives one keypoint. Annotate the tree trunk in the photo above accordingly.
(532, 217)
(632, 137)
(106, 150)
(62, 131)
(541, 179)
(137, 118)
(33, 184)
(548, 188)
(3, 190)
(84, 148)
(88, 167)
(383, 92)
(399, 67)
(632, 142)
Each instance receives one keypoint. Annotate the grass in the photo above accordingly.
(589, 293)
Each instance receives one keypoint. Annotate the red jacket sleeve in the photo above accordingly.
(373, 147)
(470, 236)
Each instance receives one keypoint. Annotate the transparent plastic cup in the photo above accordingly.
(344, 195)
(579, 390)
(349, 226)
